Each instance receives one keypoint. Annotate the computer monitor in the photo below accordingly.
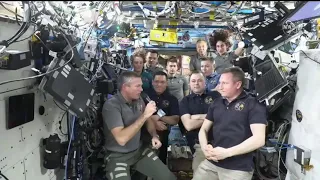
(269, 79)
(305, 11)
(20, 110)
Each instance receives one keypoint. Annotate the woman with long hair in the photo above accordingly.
(138, 60)
(220, 42)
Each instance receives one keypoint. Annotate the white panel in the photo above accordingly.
(11, 142)
(34, 168)
(34, 132)
(22, 143)
(306, 133)
(20, 147)
(43, 125)
(16, 171)
(17, 87)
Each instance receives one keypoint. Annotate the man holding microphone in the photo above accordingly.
(124, 115)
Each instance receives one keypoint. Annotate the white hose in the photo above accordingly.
(2, 49)
(166, 9)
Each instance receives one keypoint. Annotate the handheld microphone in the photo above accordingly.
(146, 98)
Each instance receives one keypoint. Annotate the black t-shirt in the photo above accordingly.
(196, 104)
(165, 101)
(231, 126)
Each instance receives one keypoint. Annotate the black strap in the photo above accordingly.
(4, 43)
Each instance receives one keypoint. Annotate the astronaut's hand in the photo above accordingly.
(156, 143)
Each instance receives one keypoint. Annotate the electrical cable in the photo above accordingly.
(39, 11)
(28, 87)
(90, 31)
(282, 144)
(9, 10)
(69, 145)
(15, 13)
(6, 43)
(281, 130)
(40, 75)
(239, 7)
(59, 106)
(281, 134)
(30, 35)
(25, 26)
(27, 20)
(60, 122)
(23, 29)
(279, 157)
(93, 24)
(2, 175)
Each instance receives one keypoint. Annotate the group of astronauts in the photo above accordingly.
(223, 124)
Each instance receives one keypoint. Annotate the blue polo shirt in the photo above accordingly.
(231, 126)
(212, 81)
(196, 104)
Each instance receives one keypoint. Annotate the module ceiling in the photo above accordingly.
(133, 12)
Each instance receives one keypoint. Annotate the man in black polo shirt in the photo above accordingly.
(239, 123)
(193, 109)
(169, 105)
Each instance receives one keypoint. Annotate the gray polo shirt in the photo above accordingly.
(117, 112)
(225, 61)
(195, 62)
(177, 85)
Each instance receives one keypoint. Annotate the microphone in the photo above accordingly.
(146, 98)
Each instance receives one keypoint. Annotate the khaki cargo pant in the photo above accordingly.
(198, 157)
(144, 160)
(207, 170)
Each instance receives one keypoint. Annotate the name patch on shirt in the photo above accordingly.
(239, 106)
(165, 103)
(208, 100)
(213, 81)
